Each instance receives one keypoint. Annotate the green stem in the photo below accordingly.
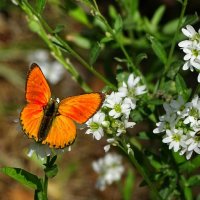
(47, 37)
(84, 63)
(141, 170)
(46, 179)
(118, 40)
(169, 60)
(171, 52)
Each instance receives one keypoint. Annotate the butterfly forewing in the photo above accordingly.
(81, 108)
(37, 97)
(62, 133)
(37, 89)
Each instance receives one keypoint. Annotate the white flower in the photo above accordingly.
(175, 138)
(181, 123)
(132, 88)
(193, 114)
(168, 109)
(129, 148)
(118, 105)
(178, 105)
(123, 126)
(192, 144)
(185, 151)
(166, 122)
(192, 56)
(192, 35)
(41, 150)
(190, 32)
(191, 48)
(95, 125)
(111, 141)
(109, 169)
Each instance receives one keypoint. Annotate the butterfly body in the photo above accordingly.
(50, 112)
(48, 121)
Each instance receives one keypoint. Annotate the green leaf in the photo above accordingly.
(51, 171)
(182, 88)
(135, 143)
(106, 39)
(58, 28)
(79, 15)
(194, 180)
(143, 136)
(158, 49)
(81, 41)
(191, 165)
(94, 53)
(53, 160)
(188, 193)
(131, 7)
(158, 15)
(40, 5)
(128, 186)
(171, 26)
(58, 44)
(178, 158)
(175, 66)
(23, 177)
(190, 19)
(118, 24)
(140, 57)
(155, 161)
(112, 11)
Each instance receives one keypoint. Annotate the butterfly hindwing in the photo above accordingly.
(62, 132)
(31, 118)
(80, 108)
(37, 88)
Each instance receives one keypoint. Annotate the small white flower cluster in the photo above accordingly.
(109, 169)
(113, 118)
(191, 47)
(181, 125)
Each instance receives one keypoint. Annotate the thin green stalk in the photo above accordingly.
(85, 64)
(171, 52)
(27, 8)
(47, 37)
(142, 172)
(46, 179)
(118, 40)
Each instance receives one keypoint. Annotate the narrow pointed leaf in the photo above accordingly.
(40, 5)
(158, 49)
(94, 53)
(23, 177)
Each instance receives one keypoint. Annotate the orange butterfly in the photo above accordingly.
(48, 121)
